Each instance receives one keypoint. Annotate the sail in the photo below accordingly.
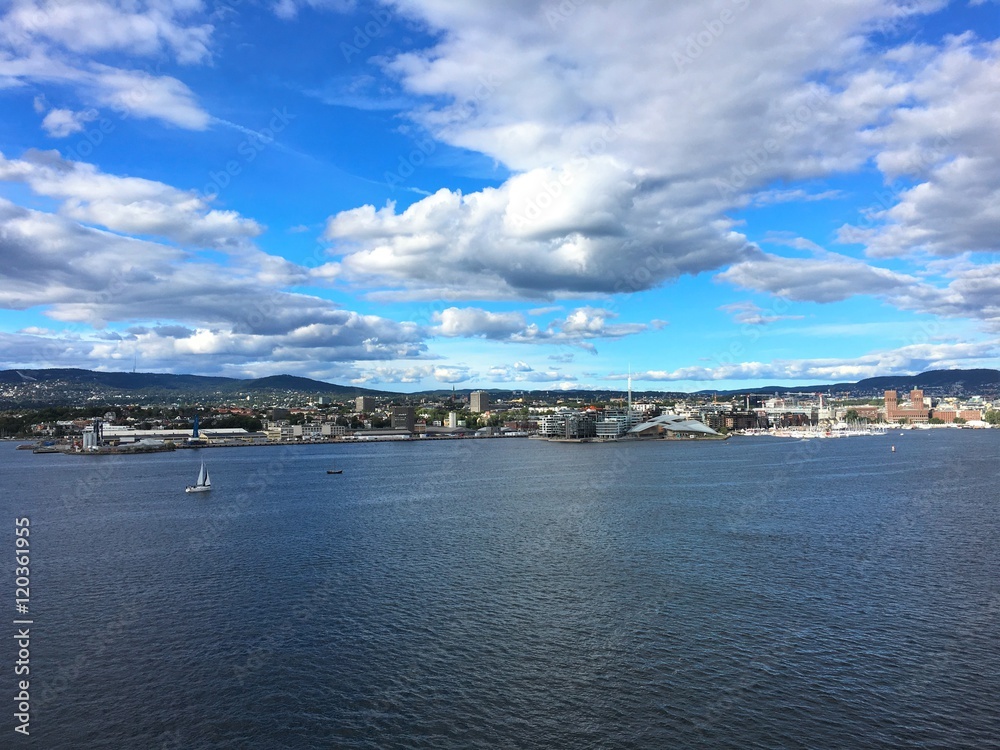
(201, 476)
(208, 481)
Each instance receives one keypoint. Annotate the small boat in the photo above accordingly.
(334, 471)
(204, 483)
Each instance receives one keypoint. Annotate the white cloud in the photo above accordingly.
(750, 313)
(944, 141)
(289, 9)
(453, 374)
(61, 42)
(580, 326)
(475, 322)
(189, 308)
(972, 290)
(906, 360)
(136, 93)
(798, 195)
(622, 180)
(130, 205)
(516, 374)
(829, 279)
(89, 26)
(60, 123)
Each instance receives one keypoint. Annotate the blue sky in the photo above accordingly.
(410, 194)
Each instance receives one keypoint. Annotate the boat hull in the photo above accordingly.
(197, 489)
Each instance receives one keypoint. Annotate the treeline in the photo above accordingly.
(18, 423)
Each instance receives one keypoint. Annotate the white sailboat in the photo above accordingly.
(204, 483)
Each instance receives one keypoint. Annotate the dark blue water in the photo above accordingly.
(756, 593)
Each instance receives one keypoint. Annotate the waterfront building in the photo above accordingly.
(616, 422)
(312, 430)
(403, 418)
(118, 435)
(452, 419)
(915, 411)
(865, 412)
(569, 424)
(671, 426)
(92, 436)
(479, 401)
(950, 415)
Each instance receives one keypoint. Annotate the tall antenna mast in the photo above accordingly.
(629, 416)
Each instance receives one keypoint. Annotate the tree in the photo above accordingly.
(959, 420)
(935, 420)
(851, 416)
(992, 416)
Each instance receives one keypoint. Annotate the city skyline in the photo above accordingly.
(418, 194)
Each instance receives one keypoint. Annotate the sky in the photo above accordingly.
(417, 194)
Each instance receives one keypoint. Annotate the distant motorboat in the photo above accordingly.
(334, 471)
(204, 483)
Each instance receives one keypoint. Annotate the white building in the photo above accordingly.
(479, 401)
(616, 422)
(567, 423)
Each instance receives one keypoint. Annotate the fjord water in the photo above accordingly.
(752, 593)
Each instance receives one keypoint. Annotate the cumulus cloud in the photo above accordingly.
(476, 322)
(60, 123)
(60, 41)
(577, 328)
(453, 374)
(230, 315)
(607, 195)
(130, 205)
(907, 360)
(828, 279)
(938, 154)
(90, 26)
(457, 246)
(623, 181)
(521, 373)
(971, 291)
